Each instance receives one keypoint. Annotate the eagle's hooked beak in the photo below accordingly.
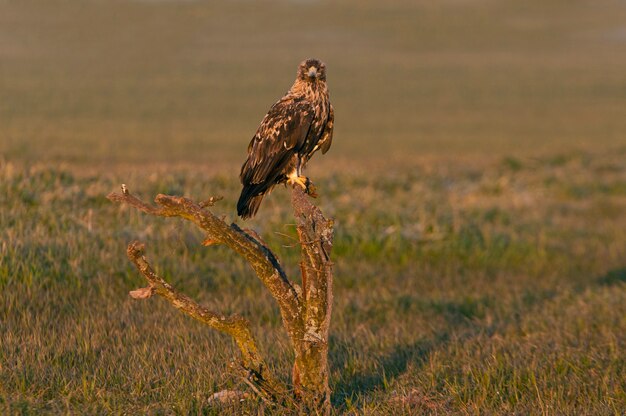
(312, 72)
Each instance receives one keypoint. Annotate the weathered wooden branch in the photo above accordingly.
(261, 259)
(316, 238)
(236, 326)
(305, 311)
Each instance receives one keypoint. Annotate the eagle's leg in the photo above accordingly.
(309, 188)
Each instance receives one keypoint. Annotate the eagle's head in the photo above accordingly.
(312, 70)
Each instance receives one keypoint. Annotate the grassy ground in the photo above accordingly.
(478, 182)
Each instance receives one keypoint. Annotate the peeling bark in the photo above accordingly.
(315, 233)
(305, 311)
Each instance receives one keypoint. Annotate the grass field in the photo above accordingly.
(477, 180)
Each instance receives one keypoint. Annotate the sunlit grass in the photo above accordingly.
(477, 180)
(510, 301)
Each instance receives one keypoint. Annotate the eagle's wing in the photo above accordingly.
(281, 134)
(327, 135)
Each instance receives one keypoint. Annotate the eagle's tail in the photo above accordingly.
(249, 202)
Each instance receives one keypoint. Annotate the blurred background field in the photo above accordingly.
(477, 179)
(125, 81)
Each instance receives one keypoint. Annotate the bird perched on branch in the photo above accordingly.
(295, 127)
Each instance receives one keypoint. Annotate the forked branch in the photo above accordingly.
(261, 259)
(305, 311)
(257, 372)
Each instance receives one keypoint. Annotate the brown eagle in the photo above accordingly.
(295, 127)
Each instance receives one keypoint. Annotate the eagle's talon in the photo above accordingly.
(301, 181)
(310, 189)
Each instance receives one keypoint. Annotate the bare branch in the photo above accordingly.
(261, 259)
(234, 325)
(211, 201)
(143, 293)
(316, 239)
(305, 311)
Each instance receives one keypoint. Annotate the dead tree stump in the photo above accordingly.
(305, 310)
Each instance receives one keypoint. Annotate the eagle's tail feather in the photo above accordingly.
(248, 203)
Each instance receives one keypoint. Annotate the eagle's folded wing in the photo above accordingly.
(327, 135)
(280, 135)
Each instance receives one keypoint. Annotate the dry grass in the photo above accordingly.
(497, 291)
(478, 181)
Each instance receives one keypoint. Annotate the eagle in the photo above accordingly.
(294, 128)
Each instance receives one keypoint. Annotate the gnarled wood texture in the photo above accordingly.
(305, 311)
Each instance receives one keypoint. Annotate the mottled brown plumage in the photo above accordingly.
(295, 127)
